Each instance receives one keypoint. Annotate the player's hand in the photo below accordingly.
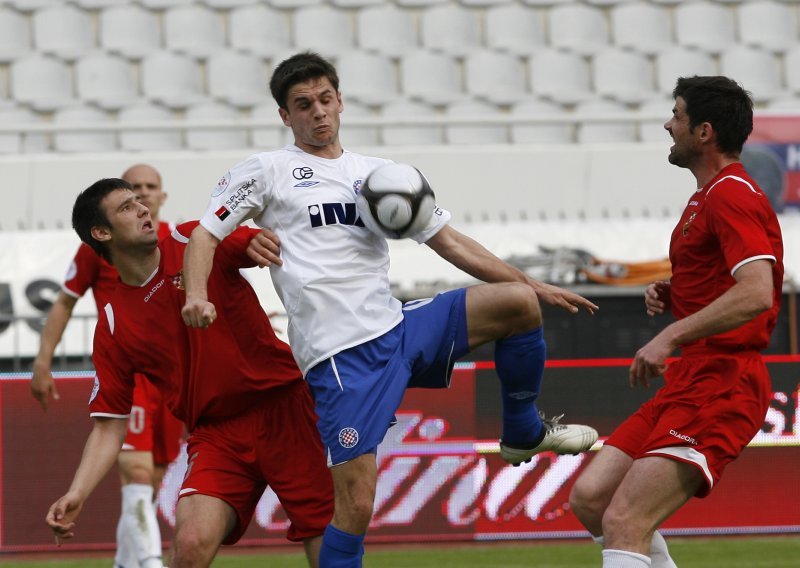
(62, 515)
(43, 387)
(657, 298)
(265, 249)
(564, 299)
(198, 313)
(650, 361)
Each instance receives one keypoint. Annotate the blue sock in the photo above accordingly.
(341, 549)
(519, 361)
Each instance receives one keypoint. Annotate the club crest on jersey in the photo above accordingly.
(177, 280)
(357, 185)
(348, 437)
(222, 185)
(325, 214)
(222, 213)
(688, 222)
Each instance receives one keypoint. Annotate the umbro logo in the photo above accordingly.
(308, 183)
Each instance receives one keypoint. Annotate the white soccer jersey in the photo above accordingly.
(334, 279)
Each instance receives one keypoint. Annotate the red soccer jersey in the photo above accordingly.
(89, 270)
(203, 374)
(726, 224)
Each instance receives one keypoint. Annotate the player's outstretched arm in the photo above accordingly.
(474, 259)
(197, 262)
(43, 387)
(99, 455)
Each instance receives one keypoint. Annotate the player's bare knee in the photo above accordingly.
(524, 303)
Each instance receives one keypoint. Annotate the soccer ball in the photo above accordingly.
(395, 201)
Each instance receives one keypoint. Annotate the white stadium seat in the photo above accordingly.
(768, 25)
(86, 141)
(194, 30)
(348, 4)
(433, 78)
(171, 79)
(514, 28)
(269, 138)
(450, 29)
(239, 79)
(642, 27)
(224, 4)
(41, 82)
(323, 29)
(15, 35)
(65, 32)
(681, 62)
(386, 29)
(604, 132)
(704, 26)
(17, 142)
(131, 31)
(624, 76)
(497, 77)
(163, 4)
(213, 138)
(148, 140)
(757, 71)
(294, 4)
(367, 78)
(577, 27)
(259, 30)
(540, 133)
(653, 130)
(97, 4)
(559, 75)
(33, 5)
(477, 133)
(357, 136)
(791, 63)
(410, 135)
(106, 80)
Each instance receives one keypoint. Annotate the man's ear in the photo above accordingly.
(706, 131)
(284, 114)
(101, 233)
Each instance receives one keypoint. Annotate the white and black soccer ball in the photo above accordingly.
(395, 201)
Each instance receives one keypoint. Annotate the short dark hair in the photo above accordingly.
(300, 68)
(723, 103)
(87, 213)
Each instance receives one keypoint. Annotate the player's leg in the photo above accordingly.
(653, 489)
(509, 314)
(312, 547)
(596, 485)
(201, 524)
(138, 533)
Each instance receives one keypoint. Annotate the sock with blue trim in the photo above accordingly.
(519, 361)
(341, 549)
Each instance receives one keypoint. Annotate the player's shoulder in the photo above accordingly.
(372, 161)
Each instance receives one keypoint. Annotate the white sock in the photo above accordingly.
(659, 553)
(624, 559)
(138, 535)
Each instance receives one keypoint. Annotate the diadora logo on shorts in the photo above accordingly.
(348, 437)
(334, 214)
(153, 290)
(95, 389)
(683, 437)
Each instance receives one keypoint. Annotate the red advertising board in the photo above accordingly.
(440, 474)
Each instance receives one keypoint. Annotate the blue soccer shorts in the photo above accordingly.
(358, 390)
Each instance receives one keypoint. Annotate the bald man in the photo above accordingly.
(153, 438)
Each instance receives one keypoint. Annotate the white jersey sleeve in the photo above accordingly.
(439, 218)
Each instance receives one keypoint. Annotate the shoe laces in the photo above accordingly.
(552, 424)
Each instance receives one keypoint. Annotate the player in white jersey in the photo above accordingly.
(357, 346)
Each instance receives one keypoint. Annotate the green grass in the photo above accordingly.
(778, 552)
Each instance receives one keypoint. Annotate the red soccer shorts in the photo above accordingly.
(152, 427)
(707, 412)
(275, 443)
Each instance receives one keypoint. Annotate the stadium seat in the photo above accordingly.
(41, 82)
(642, 27)
(704, 26)
(84, 141)
(681, 62)
(540, 133)
(474, 133)
(17, 142)
(194, 30)
(226, 4)
(238, 79)
(148, 140)
(357, 136)
(604, 132)
(419, 3)
(130, 31)
(259, 30)
(768, 25)
(349, 4)
(757, 71)
(294, 4)
(367, 78)
(450, 29)
(410, 135)
(386, 29)
(433, 78)
(269, 138)
(561, 76)
(791, 64)
(214, 138)
(15, 35)
(105, 80)
(323, 29)
(33, 5)
(623, 75)
(99, 4)
(577, 27)
(171, 79)
(653, 130)
(163, 4)
(65, 32)
(514, 28)
(497, 77)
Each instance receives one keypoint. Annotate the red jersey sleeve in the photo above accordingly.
(112, 395)
(83, 272)
(232, 250)
(737, 215)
